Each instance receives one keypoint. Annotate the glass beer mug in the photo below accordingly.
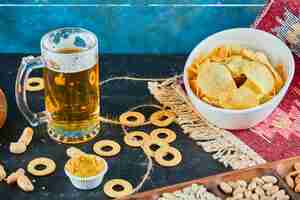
(69, 58)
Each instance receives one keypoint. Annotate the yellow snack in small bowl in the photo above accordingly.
(85, 166)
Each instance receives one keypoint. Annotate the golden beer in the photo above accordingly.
(72, 99)
(69, 58)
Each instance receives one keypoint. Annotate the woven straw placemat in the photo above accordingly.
(275, 138)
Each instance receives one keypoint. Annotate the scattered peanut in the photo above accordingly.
(263, 188)
(74, 152)
(13, 177)
(297, 166)
(21, 179)
(255, 196)
(226, 188)
(26, 136)
(259, 191)
(297, 188)
(234, 185)
(194, 192)
(269, 179)
(297, 179)
(292, 179)
(252, 186)
(17, 148)
(258, 181)
(294, 173)
(20, 146)
(25, 183)
(290, 182)
(242, 184)
(2, 173)
(267, 186)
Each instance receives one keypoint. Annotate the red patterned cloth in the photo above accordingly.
(278, 136)
(275, 8)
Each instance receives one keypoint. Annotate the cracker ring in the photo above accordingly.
(49, 164)
(132, 138)
(98, 148)
(162, 152)
(170, 136)
(113, 193)
(162, 118)
(139, 118)
(148, 143)
(34, 84)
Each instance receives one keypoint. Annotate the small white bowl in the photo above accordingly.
(88, 183)
(254, 39)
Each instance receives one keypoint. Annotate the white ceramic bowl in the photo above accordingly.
(277, 52)
(88, 183)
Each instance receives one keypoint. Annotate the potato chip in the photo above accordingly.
(193, 68)
(260, 76)
(262, 58)
(265, 98)
(211, 101)
(192, 71)
(240, 98)
(200, 59)
(220, 54)
(195, 88)
(214, 79)
(235, 49)
(205, 62)
(235, 64)
(249, 54)
(249, 84)
(281, 70)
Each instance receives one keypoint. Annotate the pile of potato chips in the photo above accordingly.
(233, 77)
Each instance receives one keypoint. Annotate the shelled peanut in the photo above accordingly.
(21, 179)
(193, 192)
(293, 178)
(20, 146)
(259, 188)
(2, 173)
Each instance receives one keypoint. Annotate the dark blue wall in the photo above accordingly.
(162, 26)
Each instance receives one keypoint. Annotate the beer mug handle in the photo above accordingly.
(27, 65)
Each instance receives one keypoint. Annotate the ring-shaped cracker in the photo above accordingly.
(34, 84)
(131, 139)
(162, 118)
(139, 118)
(111, 192)
(162, 152)
(170, 135)
(98, 148)
(49, 164)
(148, 143)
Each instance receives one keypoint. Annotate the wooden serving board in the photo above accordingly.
(279, 169)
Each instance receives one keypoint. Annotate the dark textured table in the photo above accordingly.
(116, 98)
